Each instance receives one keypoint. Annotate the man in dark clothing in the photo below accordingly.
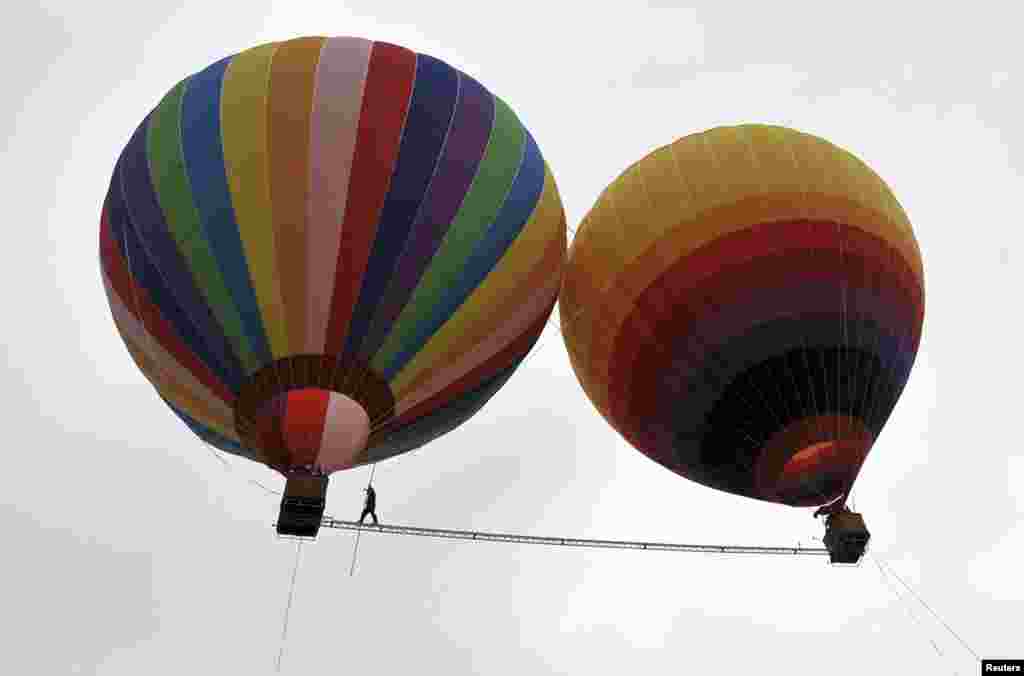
(370, 507)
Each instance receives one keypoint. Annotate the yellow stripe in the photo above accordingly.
(703, 172)
(244, 133)
(520, 303)
(133, 331)
(479, 312)
(690, 193)
(290, 109)
(180, 396)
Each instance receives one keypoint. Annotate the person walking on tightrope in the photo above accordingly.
(370, 507)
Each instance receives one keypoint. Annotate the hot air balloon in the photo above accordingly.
(744, 306)
(328, 251)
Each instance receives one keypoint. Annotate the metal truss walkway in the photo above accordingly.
(448, 534)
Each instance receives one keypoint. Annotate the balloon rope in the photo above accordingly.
(906, 607)
(359, 532)
(808, 372)
(288, 607)
(927, 607)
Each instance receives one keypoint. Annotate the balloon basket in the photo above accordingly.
(846, 537)
(302, 506)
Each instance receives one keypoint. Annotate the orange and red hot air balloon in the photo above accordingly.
(744, 306)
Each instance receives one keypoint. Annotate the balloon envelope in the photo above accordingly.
(327, 251)
(744, 306)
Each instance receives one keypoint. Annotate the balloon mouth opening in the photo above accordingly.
(311, 415)
(810, 456)
(320, 430)
(812, 461)
(820, 473)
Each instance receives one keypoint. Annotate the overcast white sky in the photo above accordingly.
(129, 549)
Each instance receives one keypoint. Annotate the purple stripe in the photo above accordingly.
(460, 158)
(147, 219)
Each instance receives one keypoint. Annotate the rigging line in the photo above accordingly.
(359, 531)
(779, 389)
(892, 389)
(868, 394)
(449, 534)
(903, 338)
(222, 358)
(229, 467)
(355, 548)
(288, 607)
(804, 212)
(864, 342)
(717, 364)
(535, 348)
(906, 607)
(840, 360)
(162, 372)
(223, 462)
(845, 414)
(934, 614)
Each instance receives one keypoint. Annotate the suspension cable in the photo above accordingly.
(355, 548)
(900, 600)
(288, 607)
(929, 608)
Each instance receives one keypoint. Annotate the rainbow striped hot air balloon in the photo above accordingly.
(328, 251)
(744, 306)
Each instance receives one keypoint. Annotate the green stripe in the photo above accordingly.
(478, 211)
(170, 180)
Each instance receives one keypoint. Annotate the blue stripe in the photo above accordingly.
(460, 159)
(148, 219)
(204, 164)
(515, 211)
(430, 113)
(185, 318)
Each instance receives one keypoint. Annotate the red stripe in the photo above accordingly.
(138, 303)
(389, 83)
(728, 304)
(305, 412)
(727, 273)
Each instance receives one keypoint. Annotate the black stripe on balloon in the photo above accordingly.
(727, 455)
(768, 360)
